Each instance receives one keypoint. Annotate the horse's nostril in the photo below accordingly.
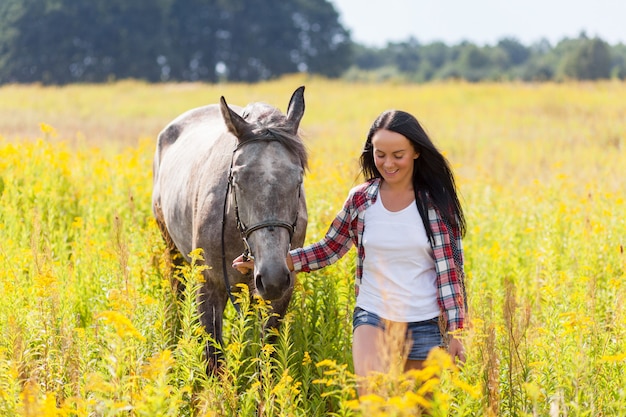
(258, 280)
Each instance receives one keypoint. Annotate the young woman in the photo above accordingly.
(406, 223)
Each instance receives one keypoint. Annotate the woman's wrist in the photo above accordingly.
(455, 332)
(289, 262)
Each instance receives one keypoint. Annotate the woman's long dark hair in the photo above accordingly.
(433, 179)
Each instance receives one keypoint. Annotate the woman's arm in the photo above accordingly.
(334, 245)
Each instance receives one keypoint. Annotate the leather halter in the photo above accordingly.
(244, 230)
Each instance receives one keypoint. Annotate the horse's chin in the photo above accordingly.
(273, 294)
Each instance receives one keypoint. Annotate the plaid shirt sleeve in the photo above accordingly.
(335, 244)
(450, 297)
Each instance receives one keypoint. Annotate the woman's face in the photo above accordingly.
(393, 156)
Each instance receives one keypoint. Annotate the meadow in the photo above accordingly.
(89, 325)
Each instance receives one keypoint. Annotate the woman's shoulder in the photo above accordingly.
(364, 193)
(369, 187)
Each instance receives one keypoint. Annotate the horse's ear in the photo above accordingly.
(295, 110)
(234, 123)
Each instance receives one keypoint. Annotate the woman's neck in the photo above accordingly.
(396, 188)
(397, 197)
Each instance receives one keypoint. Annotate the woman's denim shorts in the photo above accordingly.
(424, 335)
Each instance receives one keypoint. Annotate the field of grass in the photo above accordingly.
(90, 327)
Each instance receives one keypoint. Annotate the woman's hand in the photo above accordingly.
(243, 264)
(456, 350)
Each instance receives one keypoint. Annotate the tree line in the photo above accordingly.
(66, 41)
(580, 58)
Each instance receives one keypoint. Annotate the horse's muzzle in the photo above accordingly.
(272, 283)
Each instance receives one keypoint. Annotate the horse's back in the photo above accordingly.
(207, 118)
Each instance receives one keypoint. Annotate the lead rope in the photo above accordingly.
(224, 268)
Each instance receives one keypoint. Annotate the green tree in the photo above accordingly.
(618, 61)
(436, 53)
(406, 56)
(196, 38)
(434, 57)
(589, 59)
(367, 58)
(473, 57)
(473, 63)
(259, 40)
(516, 53)
(325, 45)
(62, 41)
(582, 58)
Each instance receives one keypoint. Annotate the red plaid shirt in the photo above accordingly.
(346, 230)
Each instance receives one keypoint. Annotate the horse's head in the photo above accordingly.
(266, 186)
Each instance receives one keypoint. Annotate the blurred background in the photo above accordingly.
(67, 41)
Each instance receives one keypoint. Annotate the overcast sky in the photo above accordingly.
(375, 22)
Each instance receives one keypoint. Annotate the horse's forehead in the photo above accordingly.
(258, 165)
(261, 111)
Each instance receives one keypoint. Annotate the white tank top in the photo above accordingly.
(399, 277)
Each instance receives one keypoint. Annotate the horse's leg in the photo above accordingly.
(211, 303)
(173, 258)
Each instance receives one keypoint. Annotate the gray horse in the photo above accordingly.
(229, 180)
